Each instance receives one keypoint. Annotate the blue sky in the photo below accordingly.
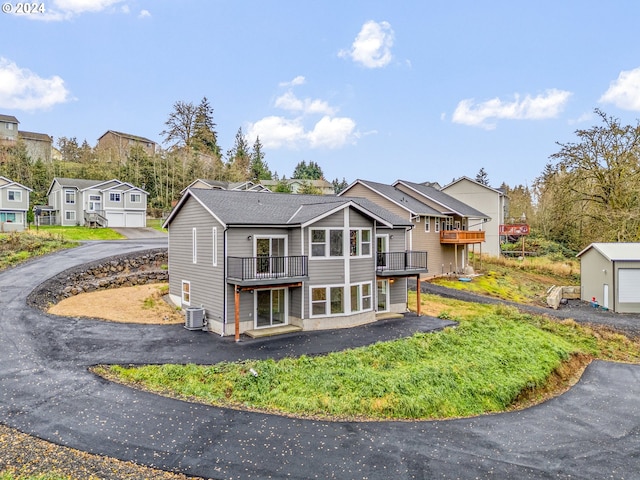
(369, 89)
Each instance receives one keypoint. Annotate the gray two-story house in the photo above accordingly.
(100, 203)
(259, 260)
(14, 203)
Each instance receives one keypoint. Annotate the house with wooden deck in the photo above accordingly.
(489, 200)
(440, 222)
(95, 203)
(254, 261)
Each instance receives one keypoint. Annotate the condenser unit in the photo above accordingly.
(194, 318)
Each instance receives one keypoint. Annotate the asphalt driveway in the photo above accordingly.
(592, 431)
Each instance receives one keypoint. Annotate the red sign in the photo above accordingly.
(514, 229)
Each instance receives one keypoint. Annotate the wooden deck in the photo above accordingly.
(461, 237)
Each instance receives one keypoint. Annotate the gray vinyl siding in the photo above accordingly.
(359, 190)
(398, 292)
(141, 205)
(206, 281)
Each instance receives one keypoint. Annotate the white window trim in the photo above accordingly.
(327, 243)
(16, 193)
(437, 225)
(427, 224)
(114, 194)
(358, 300)
(194, 246)
(360, 242)
(73, 196)
(182, 292)
(132, 197)
(214, 243)
(70, 215)
(327, 310)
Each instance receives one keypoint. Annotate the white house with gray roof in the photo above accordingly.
(256, 261)
(14, 204)
(100, 203)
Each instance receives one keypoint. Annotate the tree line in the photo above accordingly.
(191, 150)
(589, 191)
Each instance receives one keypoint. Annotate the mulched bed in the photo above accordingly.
(24, 455)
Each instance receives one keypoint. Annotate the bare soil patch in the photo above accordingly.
(139, 304)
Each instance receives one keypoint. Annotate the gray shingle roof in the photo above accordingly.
(415, 206)
(450, 204)
(235, 207)
(8, 119)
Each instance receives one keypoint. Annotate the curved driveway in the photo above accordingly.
(593, 431)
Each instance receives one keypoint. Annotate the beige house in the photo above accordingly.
(491, 201)
(118, 144)
(610, 274)
(439, 221)
(38, 145)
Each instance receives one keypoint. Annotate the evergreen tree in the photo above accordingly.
(258, 170)
(205, 137)
(339, 185)
(311, 171)
(482, 177)
(238, 159)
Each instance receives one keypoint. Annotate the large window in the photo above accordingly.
(136, 198)
(7, 217)
(14, 195)
(359, 242)
(69, 196)
(327, 301)
(94, 203)
(326, 242)
(360, 297)
(114, 197)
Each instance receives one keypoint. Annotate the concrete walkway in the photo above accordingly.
(593, 431)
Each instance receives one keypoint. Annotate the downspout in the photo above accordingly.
(303, 283)
(224, 282)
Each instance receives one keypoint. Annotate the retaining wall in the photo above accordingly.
(127, 270)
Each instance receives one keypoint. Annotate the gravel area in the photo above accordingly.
(25, 455)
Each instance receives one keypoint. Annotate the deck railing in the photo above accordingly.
(401, 261)
(462, 236)
(266, 268)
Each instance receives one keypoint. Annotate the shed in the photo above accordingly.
(610, 273)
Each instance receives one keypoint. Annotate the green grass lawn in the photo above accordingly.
(494, 356)
(80, 233)
(156, 224)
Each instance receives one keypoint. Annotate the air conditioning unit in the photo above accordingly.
(194, 318)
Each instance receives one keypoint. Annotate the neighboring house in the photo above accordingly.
(440, 221)
(109, 203)
(39, 145)
(118, 144)
(8, 130)
(610, 273)
(14, 203)
(491, 201)
(222, 185)
(296, 185)
(308, 261)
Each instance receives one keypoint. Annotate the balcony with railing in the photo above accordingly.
(401, 263)
(461, 237)
(266, 270)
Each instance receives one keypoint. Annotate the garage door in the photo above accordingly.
(134, 219)
(115, 219)
(628, 281)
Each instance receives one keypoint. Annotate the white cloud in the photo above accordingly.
(144, 14)
(290, 102)
(299, 80)
(372, 46)
(277, 132)
(332, 132)
(547, 105)
(22, 89)
(625, 91)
